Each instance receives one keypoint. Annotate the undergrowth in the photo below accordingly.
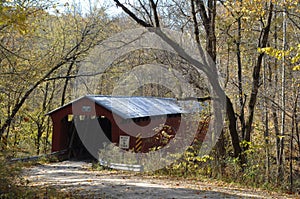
(14, 186)
(229, 170)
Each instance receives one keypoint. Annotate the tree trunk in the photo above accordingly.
(208, 21)
(280, 171)
(233, 131)
(256, 77)
(294, 118)
(240, 84)
(274, 108)
(266, 126)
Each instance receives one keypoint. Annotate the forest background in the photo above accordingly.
(254, 43)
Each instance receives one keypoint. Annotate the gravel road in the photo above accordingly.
(82, 182)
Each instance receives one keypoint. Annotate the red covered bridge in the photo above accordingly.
(133, 123)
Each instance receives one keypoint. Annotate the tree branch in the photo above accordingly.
(199, 99)
(203, 13)
(132, 15)
(196, 26)
(154, 8)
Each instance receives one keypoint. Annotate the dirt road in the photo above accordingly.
(77, 178)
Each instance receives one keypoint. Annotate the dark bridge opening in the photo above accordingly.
(77, 150)
(105, 125)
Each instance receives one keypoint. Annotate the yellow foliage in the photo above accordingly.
(296, 67)
(280, 54)
(296, 58)
(14, 16)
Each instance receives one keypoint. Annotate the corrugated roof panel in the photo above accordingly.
(135, 107)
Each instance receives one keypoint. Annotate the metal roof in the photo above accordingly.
(137, 107)
(129, 107)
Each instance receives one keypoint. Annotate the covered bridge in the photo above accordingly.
(133, 123)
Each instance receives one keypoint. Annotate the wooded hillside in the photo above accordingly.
(255, 45)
